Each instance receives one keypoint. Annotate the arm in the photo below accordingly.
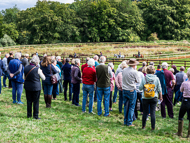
(53, 69)
(182, 87)
(110, 72)
(3, 67)
(137, 79)
(159, 89)
(40, 73)
(116, 82)
(94, 76)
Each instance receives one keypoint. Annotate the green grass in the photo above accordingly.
(66, 123)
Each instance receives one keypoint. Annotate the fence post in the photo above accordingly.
(171, 63)
(185, 64)
(113, 61)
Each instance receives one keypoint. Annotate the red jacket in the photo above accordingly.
(83, 66)
(89, 75)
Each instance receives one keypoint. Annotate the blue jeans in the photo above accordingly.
(88, 89)
(115, 94)
(48, 88)
(100, 92)
(57, 92)
(17, 88)
(0, 85)
(120, 101)
(4, 80)
(130, 96)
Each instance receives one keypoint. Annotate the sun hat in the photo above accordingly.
(165, 64)
(132, 62)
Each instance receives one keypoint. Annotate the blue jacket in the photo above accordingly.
(67, 71)
(48, 74)
(2, 68)
(160, 75)
(13, 67)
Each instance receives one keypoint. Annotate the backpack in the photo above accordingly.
(149, 90)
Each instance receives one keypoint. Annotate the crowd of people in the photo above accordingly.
(147, 85)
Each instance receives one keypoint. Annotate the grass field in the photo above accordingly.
(66, 123)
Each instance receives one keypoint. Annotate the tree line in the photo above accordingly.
(96, 21)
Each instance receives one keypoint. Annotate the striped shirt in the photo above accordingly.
(130, 78)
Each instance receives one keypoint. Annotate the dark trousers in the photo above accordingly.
(32, 97)
(54, 90)
(120, 101)
(177, 87)
(185, 107)
(95, 95)
(66, 82)
(10, 84)
(110, 101)
(139, 96)
(167, 100)
(76, 91)
(152, 103)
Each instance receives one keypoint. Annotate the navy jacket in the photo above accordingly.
(2, 67)
(46, 72)
(13, 67)
(160, 75)
(67, 71)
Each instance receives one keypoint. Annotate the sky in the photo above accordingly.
(24, 4)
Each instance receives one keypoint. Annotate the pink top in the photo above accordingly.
(185, 88)
(112, 82)
(118, 81)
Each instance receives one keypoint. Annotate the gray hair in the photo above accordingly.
(123, 65)
(67, 60)
(172, 70)
(91, 62)
(45, 55)
(58, 57)
(143, 63)
(6, 55)
(26, 55)
(111, 65)
(53, 60)
(151, 63)
(95, 57)
(35, 59)
(77, 61)
(182, 68)
(17, 55)
(164, 66)
(52, 57)
(102, 59)
(87, 59)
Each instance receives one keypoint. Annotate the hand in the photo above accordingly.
(11, 75)
(161, 99)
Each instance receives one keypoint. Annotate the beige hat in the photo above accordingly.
(132, 62)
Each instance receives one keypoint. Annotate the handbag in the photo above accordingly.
(53, 78)
(29, 72)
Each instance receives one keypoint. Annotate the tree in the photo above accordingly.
(10, 29)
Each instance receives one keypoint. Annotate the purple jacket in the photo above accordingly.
(75, 75)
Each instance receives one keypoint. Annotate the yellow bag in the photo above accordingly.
(149, 90)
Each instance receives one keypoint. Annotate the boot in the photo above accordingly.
(188, 135)
(46, 99)
(180, 128)
(49, 101)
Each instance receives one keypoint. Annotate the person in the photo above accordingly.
(36, 53)
(25, 60)
(32, 86)
(2, 70)
(8, 61)
(85, 65)
(143, 65)
(150, 101)
(100, 54)
(96, 64)
(48, 70)
(175, 69)
(112, 84)
(118, 82)
(60, 85)
(158, 68)
(103, 73)
(185, 106)
(88, 80)
(139, 94)
(75, 55)
(119, 69)
(76, 80)
(119, 55)
(130, 78)
(139, 54)
(166, 77)
(15, 72)
(144, 71)
(58, 76)
(67, 78)
(5, 73)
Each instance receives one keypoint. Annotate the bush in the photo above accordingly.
(6, 41)
(153, 37)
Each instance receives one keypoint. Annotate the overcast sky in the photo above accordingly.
(24, 4)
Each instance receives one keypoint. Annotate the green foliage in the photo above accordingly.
(169, 18)
(6, 41)
(10, 29)
(153, 37)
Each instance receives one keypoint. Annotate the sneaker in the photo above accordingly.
(14, 101)
(92, 113)
(147, 118)
(83, 111)
(20, 102)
